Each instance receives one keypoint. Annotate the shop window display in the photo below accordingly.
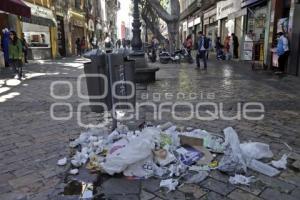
(38, 39)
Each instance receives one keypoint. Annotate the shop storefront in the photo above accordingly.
(211, 24)
(226, 23)
(77, 30)
(39, 31)
(256, 29)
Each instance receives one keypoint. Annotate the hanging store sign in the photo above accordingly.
(184, 26)
(225, 8)
(191, 23)
(210, 13)
(40, 11)
(197, 21)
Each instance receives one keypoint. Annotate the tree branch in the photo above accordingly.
(160, 11)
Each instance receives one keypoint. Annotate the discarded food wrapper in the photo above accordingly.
(280, 164)
(263, 168)
(74, 171)
(214, 164)
(240, 179)
(164, 158)
(198, 178)
(62, 162)
(189, 155)
(196, 143)
(232, 160)
(171, 184)
(256, 150)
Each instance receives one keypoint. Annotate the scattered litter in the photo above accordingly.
(171, 184)
(280, 164)
(263, 168)
(256, 150)
(199, 168)
(240, 179)
(74, 171)
(174, 155)
(62, 162)
(198, 178)
(233, 160)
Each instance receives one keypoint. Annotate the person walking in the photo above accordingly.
(236, 45)
(108, 44)
(83, 45)
(78, 46)
(203, 45)
(16, 54)
(189, 44)
(227, 47)
(282, 51)
(25, 47)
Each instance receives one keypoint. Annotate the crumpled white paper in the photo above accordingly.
(280, 164)
(171, 184)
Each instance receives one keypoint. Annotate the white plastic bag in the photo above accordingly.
(136, 150)
(142, 169)
(232, 160)
(240, 179)
(256, 150)
(280, 164)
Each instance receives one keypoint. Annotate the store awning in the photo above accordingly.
(39, 21)
(17, 7)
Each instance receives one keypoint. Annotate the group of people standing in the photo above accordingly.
(15, 51)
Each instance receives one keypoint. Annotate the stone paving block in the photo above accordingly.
(173, 195)
(217, 186)
(121, 197)
(276, 195)
(214, 196)
(151, 185)
(217, 175)
(116, 186)
(276, 183)
(146, 195)
(242, 195)
(254, 188)
(13, 196)
(194, 190)
(296, 193)
(291, 177)
(25, 180)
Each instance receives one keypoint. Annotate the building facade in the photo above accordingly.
(255, 23)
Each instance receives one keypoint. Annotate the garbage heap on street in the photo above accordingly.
(175, 156)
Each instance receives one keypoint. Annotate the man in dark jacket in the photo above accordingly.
(235, 46)
(203, 45)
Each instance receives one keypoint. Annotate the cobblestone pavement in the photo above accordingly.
(31, 142)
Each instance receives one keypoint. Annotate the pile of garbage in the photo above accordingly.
(172, 155)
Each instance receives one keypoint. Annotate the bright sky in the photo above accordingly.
(124, 14)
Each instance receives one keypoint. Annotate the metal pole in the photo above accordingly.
(113, 112)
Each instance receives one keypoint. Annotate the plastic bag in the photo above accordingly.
(135, 151)
(232, 160)
(171, 184)
(198, 178)
(256, 150)
(263, 168)
(240, 179)
(280, 164)
(141, 169)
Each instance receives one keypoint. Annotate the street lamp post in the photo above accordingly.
(136, 42)
(143, 73)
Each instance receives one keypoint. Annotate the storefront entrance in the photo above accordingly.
(77, 32)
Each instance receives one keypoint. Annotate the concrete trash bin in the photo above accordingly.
(97, 86)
